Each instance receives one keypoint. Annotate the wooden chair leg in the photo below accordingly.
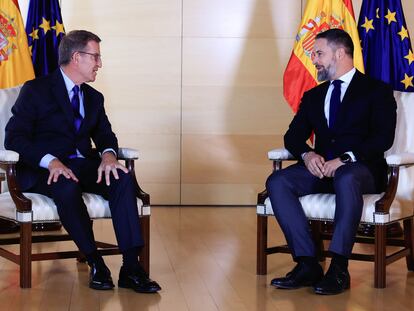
(144, 256)
(409, 242)
(380, 254)
(261, 268)
(26, 255)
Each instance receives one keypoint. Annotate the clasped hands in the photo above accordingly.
(109, 164)
(320, 168)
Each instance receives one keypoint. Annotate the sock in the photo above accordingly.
(308, 260)
(340, 261)
(95, 258)
(130, 258)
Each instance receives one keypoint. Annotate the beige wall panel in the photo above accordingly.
(226, 158)
(220, 163)
(237, 110)
(140, 61)
(235, 61)
(163, 193)
(158, 164)
(221, 194)
(124, 18)
(144, 110)
(408, 6)
(240, 18)
(232, 88)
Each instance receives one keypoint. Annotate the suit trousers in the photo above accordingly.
(67, 195)
(349, 183)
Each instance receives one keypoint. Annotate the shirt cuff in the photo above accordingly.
(351, 154)
(44, 162)
(109, 150)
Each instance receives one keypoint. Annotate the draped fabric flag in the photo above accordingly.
(44, 28)
(320, 15)
(388, 56)
(15, 63)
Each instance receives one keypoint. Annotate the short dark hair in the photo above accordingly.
(75, 40)
(338, 38)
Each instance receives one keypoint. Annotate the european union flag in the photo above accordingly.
(386, 45)
(44, 28)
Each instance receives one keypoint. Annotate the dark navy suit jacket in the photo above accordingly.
(43, 122)
(365, 124)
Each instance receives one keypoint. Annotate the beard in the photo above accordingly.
(327, 73)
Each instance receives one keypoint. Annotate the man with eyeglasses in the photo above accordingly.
(54, 120)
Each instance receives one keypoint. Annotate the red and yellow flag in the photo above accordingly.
(15, 61)
(319, 15)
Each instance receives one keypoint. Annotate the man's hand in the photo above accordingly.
(331, 166)
(109, 164)
(57, 168)
(314, 163)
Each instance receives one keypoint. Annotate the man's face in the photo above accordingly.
(324, 59)
(89, 61)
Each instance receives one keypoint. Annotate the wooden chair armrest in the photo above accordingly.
(280, 154)
(23, 204)
(8, 156)
(127, 153)
(401, 159)
(383, 205)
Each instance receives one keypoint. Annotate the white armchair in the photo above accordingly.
(380, 210)
(29, 208)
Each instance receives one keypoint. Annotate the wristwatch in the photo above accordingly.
(345, 158)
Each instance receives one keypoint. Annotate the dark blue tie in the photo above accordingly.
(335, 103)
(76, 107)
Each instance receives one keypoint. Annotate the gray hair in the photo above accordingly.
(75, 40)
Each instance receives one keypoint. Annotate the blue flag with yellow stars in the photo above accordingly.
(44, 28)
(386, 46)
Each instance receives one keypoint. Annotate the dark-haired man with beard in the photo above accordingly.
(353, 118)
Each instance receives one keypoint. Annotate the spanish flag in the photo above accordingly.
(15, 61)
(319, 16)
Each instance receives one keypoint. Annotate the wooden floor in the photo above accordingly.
(204, 259)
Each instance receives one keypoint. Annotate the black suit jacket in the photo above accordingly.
(43, 122)
(365, 124)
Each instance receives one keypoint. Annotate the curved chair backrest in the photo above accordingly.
(404, 142)
(7, 99)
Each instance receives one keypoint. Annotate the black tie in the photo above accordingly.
(76, 107)
(334, 103)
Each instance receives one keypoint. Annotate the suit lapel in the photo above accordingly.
(350, 96)
(61, 96)
(321, 105)
(352, 90)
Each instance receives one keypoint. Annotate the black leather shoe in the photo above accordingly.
(100, 277)
(138, 280)
(334, 282)
(302, 275)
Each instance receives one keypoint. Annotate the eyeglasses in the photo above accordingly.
(96, 56)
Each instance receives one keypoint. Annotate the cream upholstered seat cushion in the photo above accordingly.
(321, 206)
(44, 209)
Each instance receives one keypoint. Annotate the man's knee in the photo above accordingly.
(124, 179)
(346, 178)
(65, 189)
(277, 180)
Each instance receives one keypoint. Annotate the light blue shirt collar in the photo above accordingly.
(68, 82)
